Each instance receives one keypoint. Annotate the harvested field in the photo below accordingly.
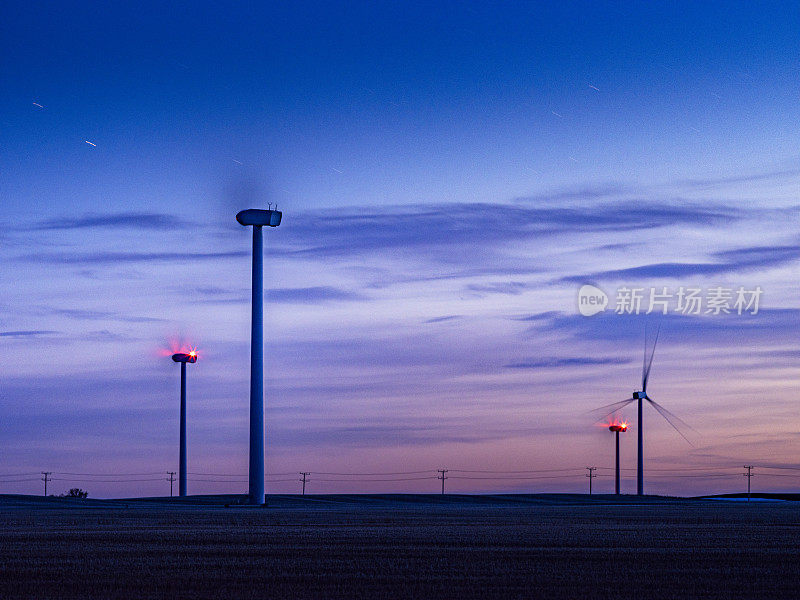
(399, 547)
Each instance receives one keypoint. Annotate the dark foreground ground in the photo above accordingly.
(400, 547)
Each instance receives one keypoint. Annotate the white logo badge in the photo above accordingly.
(591, 300)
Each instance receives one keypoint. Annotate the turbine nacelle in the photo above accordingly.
(259, 217)
(640, 396)
(622, 428)
(185, 357)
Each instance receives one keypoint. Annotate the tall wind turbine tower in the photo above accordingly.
(257, 218)
(183, 358)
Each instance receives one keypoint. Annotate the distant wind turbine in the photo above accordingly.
(674, 421)
(183, 358)
(617, 428)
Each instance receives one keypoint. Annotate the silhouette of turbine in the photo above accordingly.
(641, 396)
(183, 358)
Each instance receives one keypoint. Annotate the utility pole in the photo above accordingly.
(45, 479)
(304, 474)
(591, 476)
(171, 480)
(443, 476)
(749, 474)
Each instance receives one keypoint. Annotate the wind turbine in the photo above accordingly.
(640, 397)
(257, 218)
(617, 428)
(183, 358)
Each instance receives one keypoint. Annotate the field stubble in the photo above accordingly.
(670, 550)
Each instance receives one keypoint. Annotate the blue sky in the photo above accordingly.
(449, 176)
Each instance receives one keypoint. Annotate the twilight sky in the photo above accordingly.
(449, 174)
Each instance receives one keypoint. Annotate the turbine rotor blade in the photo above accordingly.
(674, 421)
(605, 411)
(650, 364)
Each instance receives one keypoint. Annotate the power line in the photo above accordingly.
(672, 476)
(238, 474)
(103, 480)
(774, 467)
(521, 478)
(364, 480)
(109, 474)
(499, 476)
(671, 470)
(368, 474)
(194, 479)
(707, 469)
(239, 480)
(530, 471)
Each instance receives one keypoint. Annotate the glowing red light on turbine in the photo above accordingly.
(175, 345)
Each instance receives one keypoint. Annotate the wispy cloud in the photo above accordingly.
(300, 295)
(155, 221)
(105, 258)
(542, 316)
(27, 333)
(382, 434)
(760, 256)
(770, 327)
(730, 261)
(752, 177)
(585, 192)
(213, 290)
(653, 271)
(100, 315)
(442, 319)
(503, 287)
(791, 354)
(575, 361)
(445, 230)
(103, 335)
(310, 295)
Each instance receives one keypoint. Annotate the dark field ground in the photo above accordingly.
(400, 547)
